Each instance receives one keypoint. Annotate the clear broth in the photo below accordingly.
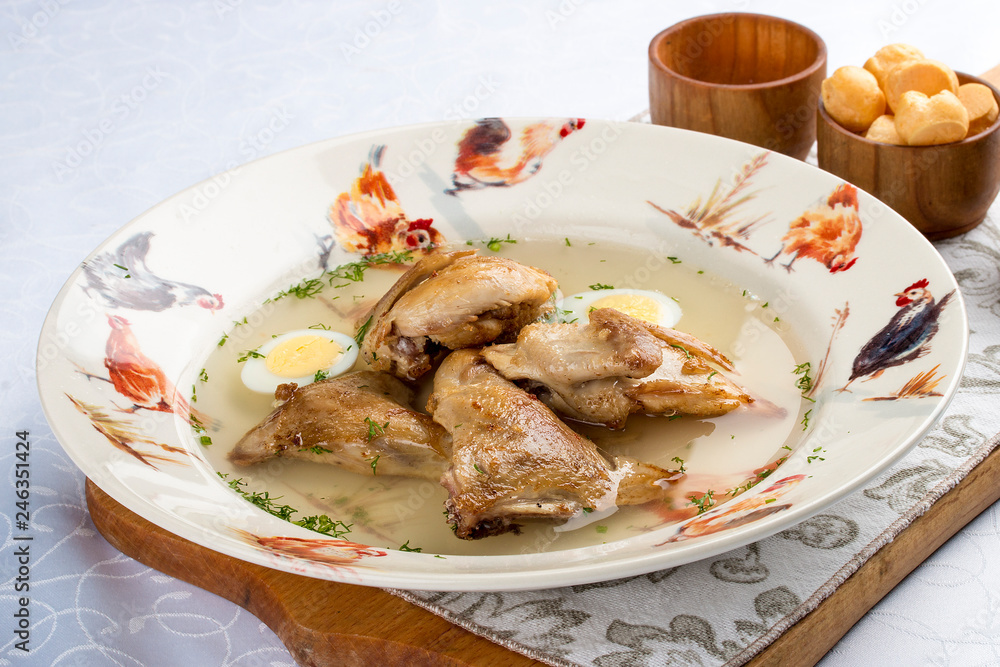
(718, 454)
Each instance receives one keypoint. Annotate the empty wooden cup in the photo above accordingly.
(749, 77)
(941, 190)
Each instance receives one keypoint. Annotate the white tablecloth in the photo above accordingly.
(110, 107)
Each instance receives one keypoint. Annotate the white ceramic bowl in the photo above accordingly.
(245, 235)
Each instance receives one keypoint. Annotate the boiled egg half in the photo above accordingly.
(648, 305)
(298, 356)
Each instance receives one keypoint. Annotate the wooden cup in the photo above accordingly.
(941, 190)
(748, 77)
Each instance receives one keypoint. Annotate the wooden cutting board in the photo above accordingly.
(328, 624)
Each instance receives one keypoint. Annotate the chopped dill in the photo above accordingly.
(406, 547)
(494, 243)
(704, 502)
(249, 354)
(597, 286)
(320, 523)
(687, 355)
(362, 330)
(375, 429)
(816, 455)
(804, 383)
(316, 449)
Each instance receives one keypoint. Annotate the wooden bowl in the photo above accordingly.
(748, 77)
(941, 190)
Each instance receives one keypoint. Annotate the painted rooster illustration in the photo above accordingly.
(138, 378)
(906, 337)
(488, 158)
(122, 279)
(827, 233)
(332, 553)
(369, 220)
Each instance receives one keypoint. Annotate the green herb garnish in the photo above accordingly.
(362, 330)
(597, 286)
(704, 502)
(687, 355)
(805, 383)
(494, 243)
(375, 429)
(805, 419)
(320, 523)
(249, 354)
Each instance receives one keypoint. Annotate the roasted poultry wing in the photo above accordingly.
(513, 459)
(348, 422)
(452, 300)
(615, 365)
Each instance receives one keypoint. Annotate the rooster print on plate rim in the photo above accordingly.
(335, 554)
(489, 157)
(369, 220)
(122, 279)
(828, 232)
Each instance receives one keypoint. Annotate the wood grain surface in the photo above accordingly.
(327, 624)
(942, 190)
(750, 77)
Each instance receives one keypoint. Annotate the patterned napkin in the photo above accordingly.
(725, 610)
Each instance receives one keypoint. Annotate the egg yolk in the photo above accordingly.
(302, 355)
(634, 305)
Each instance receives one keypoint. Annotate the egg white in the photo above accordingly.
(577, 307)
(256, 376)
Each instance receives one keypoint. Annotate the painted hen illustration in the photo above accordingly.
(906, 337)
(122, 279)
(332, 553)
(369, 219)
(488, 158)
(138, 378)
(827, 233)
